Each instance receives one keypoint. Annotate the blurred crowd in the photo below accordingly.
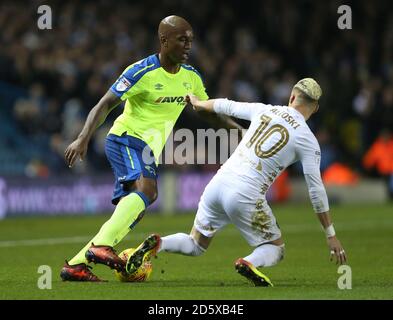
(248, 52)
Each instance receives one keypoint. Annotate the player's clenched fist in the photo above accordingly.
(76, 149)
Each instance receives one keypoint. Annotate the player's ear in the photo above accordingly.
(163, 41)
(316, 108)
(292, 98)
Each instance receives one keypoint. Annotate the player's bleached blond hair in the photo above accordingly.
(310, 88)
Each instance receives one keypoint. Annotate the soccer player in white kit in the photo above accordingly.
(277, 137)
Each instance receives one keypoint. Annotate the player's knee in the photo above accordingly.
(197, 250)
(278, 254)
(270, 254)
(152, 195)
(149, 188)
(200, 239)
(281, 253)
(149, 192)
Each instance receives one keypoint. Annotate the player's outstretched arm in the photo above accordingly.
(240, 110)
(206, 110)
(96, 117)
(198, 105)
(336, 249)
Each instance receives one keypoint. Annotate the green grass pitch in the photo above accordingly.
(305, 273)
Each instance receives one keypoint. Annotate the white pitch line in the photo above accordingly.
(53, 241)
(40, 242)
(291, 228)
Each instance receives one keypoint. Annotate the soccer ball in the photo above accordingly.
(140, 275)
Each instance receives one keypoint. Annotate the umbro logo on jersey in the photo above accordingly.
(158, 86)
(179, 100)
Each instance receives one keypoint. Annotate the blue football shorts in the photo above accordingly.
(129, 158)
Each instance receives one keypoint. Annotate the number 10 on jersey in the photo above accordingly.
(261, 135)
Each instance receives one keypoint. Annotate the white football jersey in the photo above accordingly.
(277, 137)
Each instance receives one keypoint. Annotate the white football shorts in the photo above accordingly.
(226, 200)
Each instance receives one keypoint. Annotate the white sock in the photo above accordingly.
(181, 243)
(266, 255)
